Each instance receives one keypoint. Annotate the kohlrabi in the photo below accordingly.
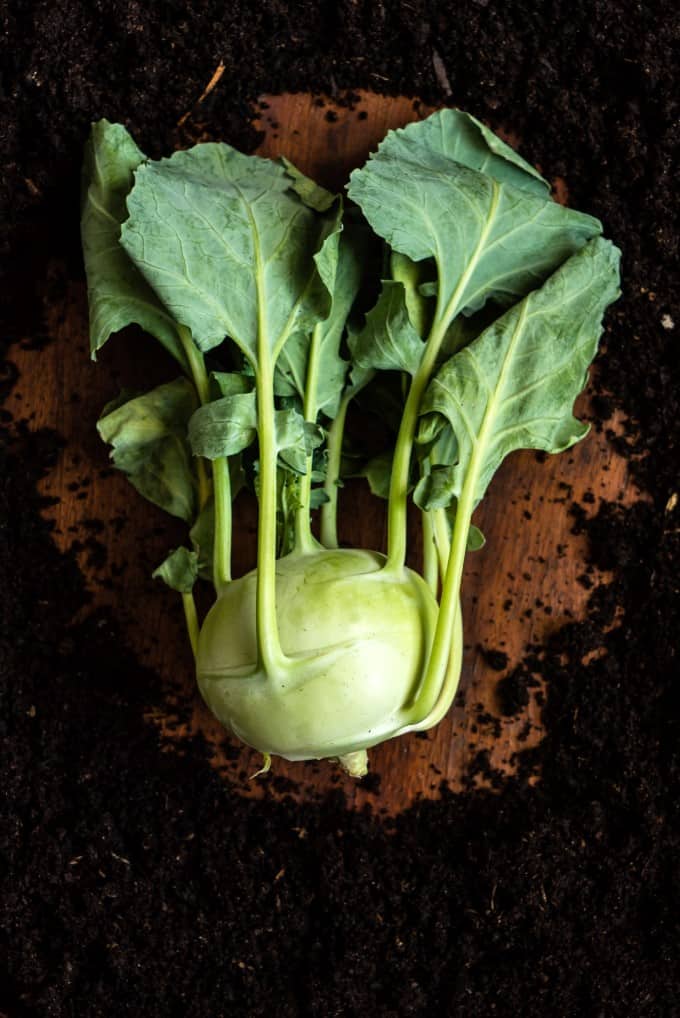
(248, 273)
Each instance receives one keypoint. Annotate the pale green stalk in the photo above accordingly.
(399, 481)
(396, 513)
(223, 524)
(191, 620)
(430, 559)
(441, 645)
(442, 540)
(449, 604)
(221, 478)
(270, 653)
(329, 510)
(448, 688)
(304, 539)
(200, 380)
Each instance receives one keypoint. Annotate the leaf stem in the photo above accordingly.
(191, 620)
(200, 379)
(203, 482)
(449, 686)
(442, 540)
(329, 510)
(430, 559)
(401, 464)
(445, 312)
(196, 363)
(223, 524)
(435, 674)
(304, 540)
(270, 654)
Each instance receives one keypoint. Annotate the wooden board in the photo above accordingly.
(516, 590)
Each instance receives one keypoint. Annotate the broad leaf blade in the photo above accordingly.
(296, 439)
(378, 472)
(202, 536)
(312, 194)
(148, 436)
(417, 289)
(229, 246)
(454, 134)
(489, 239)
(224, 427)
(339, 267)
(118, 293)
(230, 383)
(179, 570)
(514, 386)
(388, 341)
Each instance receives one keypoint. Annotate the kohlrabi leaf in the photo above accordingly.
(488, 239)
(388, 341)
(412, 275)
(318, 498)
(453, 134)
(309, 365)
(433, 492)
(377, 472)
(296, 439)
(229, 246)
(148, 436)
(118, 294)
(179, 570)
(435, 488)
(514, 386)
(475, 539)
(202, 536)
(312, 194)
(229, 383)
(224, 427)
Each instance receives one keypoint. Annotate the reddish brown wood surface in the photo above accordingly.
(522, 585)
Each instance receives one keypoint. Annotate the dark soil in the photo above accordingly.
(132, 882)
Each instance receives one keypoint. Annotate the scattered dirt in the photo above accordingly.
(131, 883)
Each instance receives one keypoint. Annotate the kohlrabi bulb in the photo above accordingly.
(357, 637)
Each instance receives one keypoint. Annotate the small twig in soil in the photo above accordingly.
(219, 71)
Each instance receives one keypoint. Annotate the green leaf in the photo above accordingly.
(318, 498)
(434, 490)
(148, 435)
(377, 472)
(229, 247)
(202, 536)
(313, 195)
(476, 539)
(118, 293)
(296, 439)
(454, 134)
(339, 266)
(417, 289)
(224, 427)
(179, 570)
(230, 383)
(489, 239)
(388, 341)
(514, 386)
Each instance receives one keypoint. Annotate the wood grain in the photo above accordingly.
(522, 585)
